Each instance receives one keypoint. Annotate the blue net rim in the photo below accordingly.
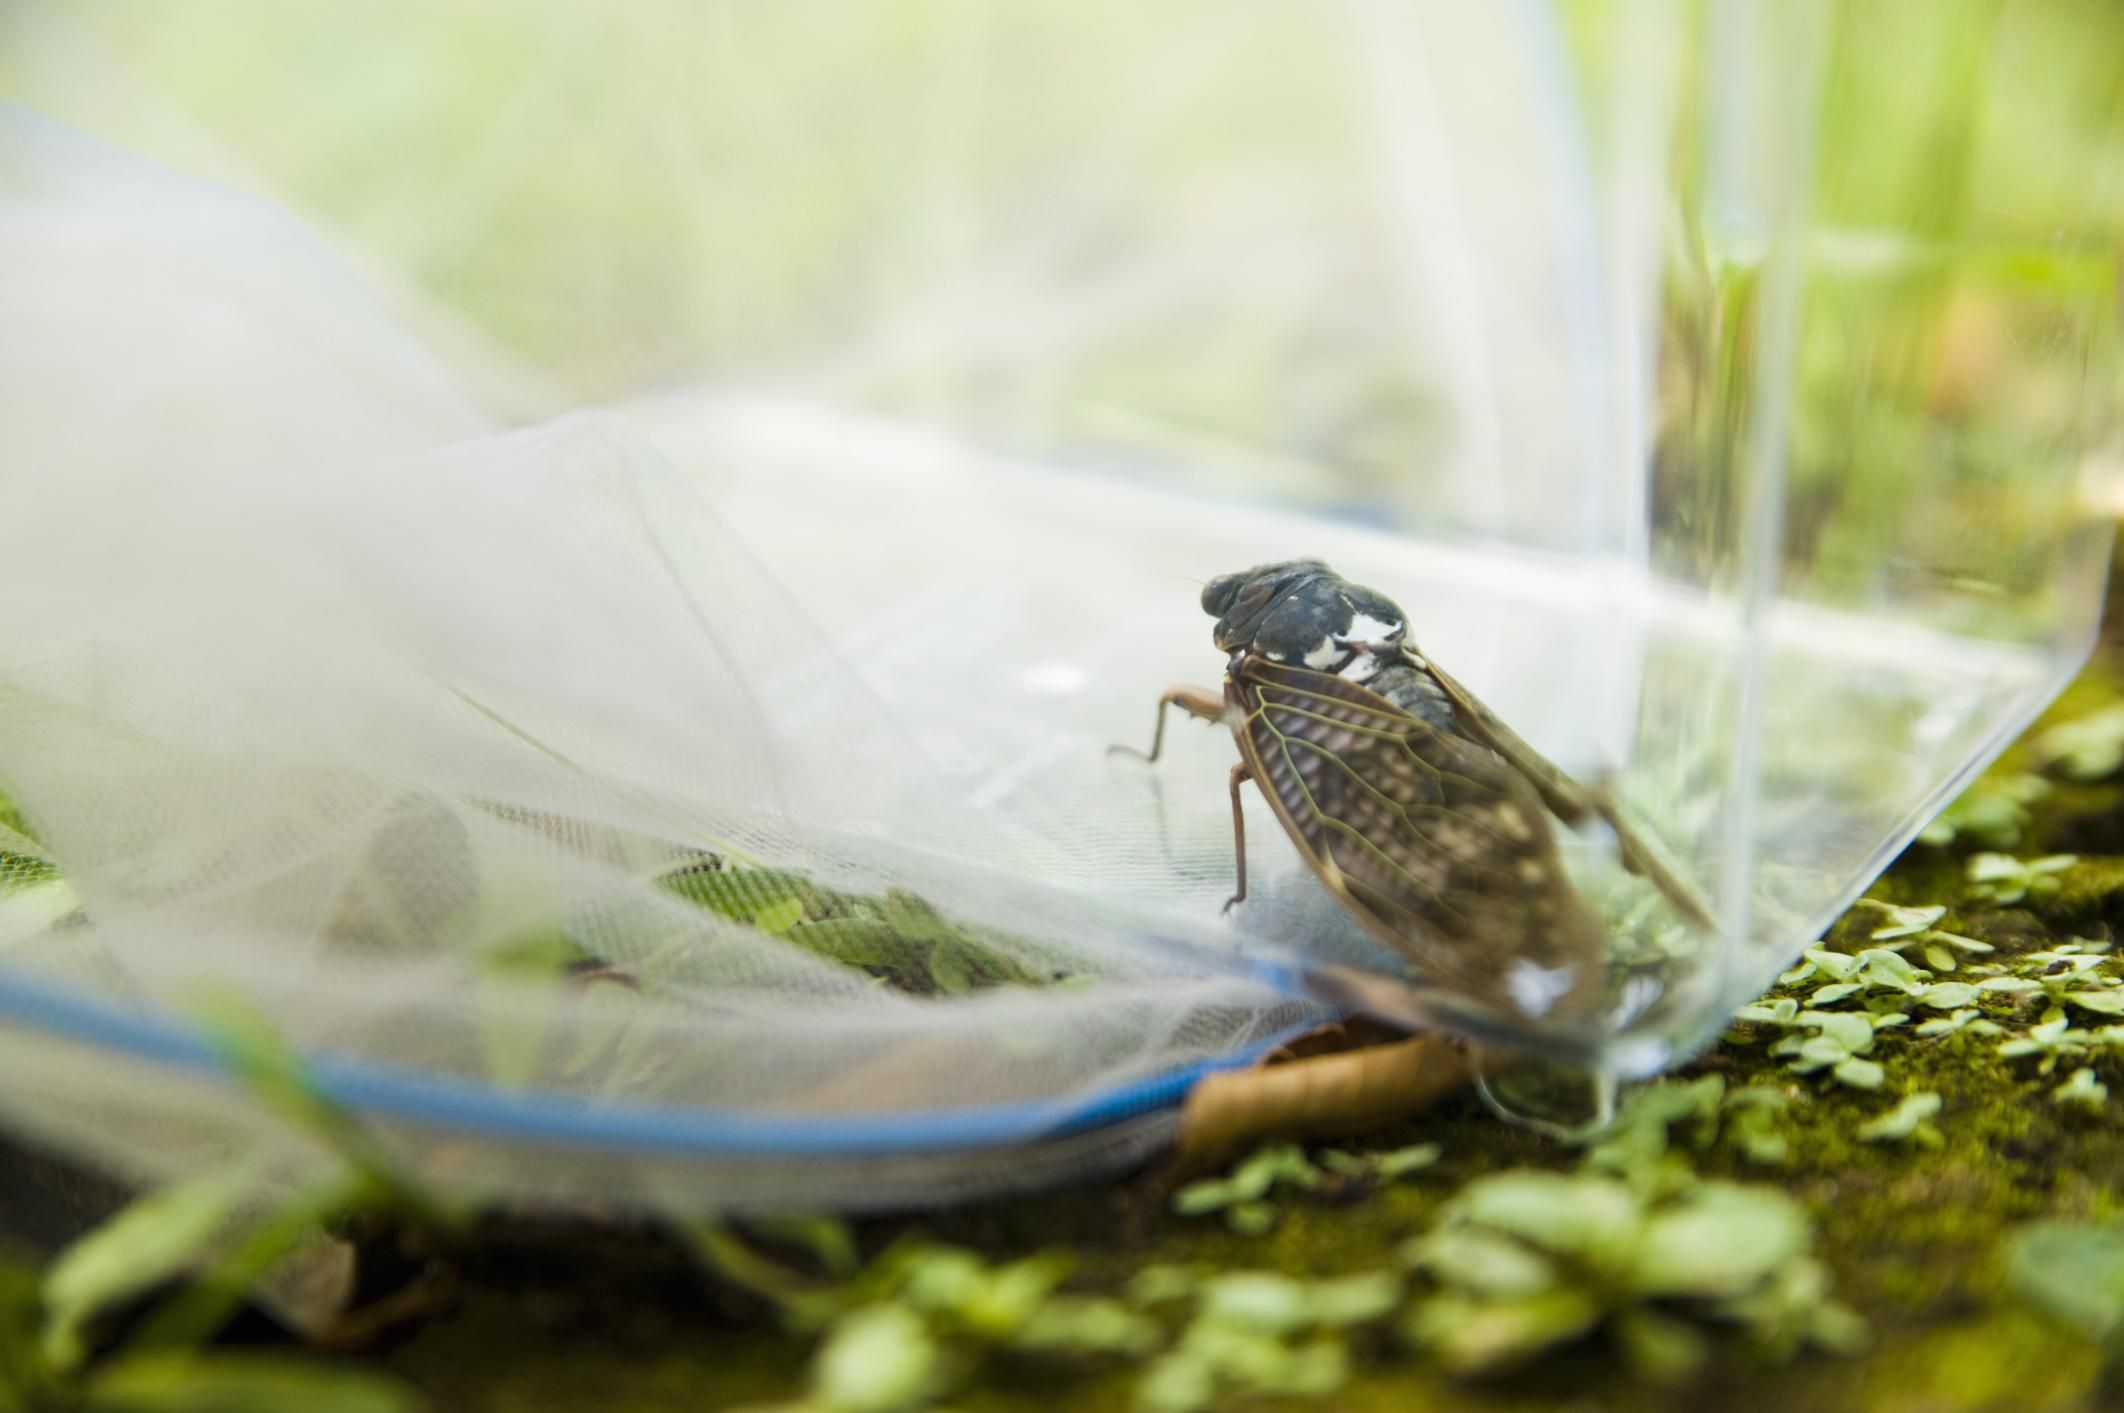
(544, 1116)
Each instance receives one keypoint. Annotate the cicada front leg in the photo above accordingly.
(1204, 705)
(1198, 702)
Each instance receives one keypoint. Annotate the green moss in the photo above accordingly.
(511, 1351)
(2089, 894)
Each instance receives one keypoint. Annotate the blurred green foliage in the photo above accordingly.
(1093, 230)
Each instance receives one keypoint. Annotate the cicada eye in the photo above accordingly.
(1217, 595)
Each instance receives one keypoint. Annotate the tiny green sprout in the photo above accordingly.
(1992, 811)
(1161, 1285)
(1939, 948)
(1858, 1074)
(920, 1322)
(2005, 880)
(1260, 1334)
(1524, 1261)
(1751, 1116)
(1882, 970)
(2070, 947)
(1241, 1196)
(1637, 1138)
(1902, 921)
(1876, 971)
(1918, 926)
(2087, 749)
(1966, 1018)
(1344, 1164)
(1485, 1262)
(2051, 1040)
(1084, 1324)
(147, 1243)
(1381, 1167)
(959, 1290)
(2082, 1091)
(2075, 1272)
(1203, 1195)
(2109, 1002)
(1400, 1162)
(1781, 1012)
(1907, 1122)
(1841, 1038)
(2067, 959)
(1271, 1303)
(878, 1359)
(2069, 974)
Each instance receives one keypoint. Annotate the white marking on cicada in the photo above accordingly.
(1535, 988)
(1366, 629)
(1361, 667)
(1329, 651)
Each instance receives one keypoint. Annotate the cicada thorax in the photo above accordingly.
(1437, 842)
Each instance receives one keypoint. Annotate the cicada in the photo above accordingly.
(1426, 815)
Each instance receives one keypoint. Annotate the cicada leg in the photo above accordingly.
(1204, 705)
(1198, 702)
(1240, 775)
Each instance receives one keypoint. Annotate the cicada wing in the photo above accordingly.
(1568, 800)
(1438, 842)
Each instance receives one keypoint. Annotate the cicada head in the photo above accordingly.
(1303, 614)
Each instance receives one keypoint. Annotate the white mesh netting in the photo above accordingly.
(483, 766)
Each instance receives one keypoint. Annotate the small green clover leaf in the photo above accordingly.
(1525, 1261)
(2051, 1040)
(1381, 1167)
(2074, 1271)
(1241, 1195)
(1751, 1118)
(1907, 1122)
(1902, 921)
(1992, 811)
(1858, 1074)
(878, 1359)
(1781, 1012)
(1966, 1018)
(1874, 972)
(1256, 1333)
(2005, 880)
(2088, 749)
(1840, 1039)
(2082, 1091)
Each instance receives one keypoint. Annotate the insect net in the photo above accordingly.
(706, 803)
(479, 766)
(587, 848)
